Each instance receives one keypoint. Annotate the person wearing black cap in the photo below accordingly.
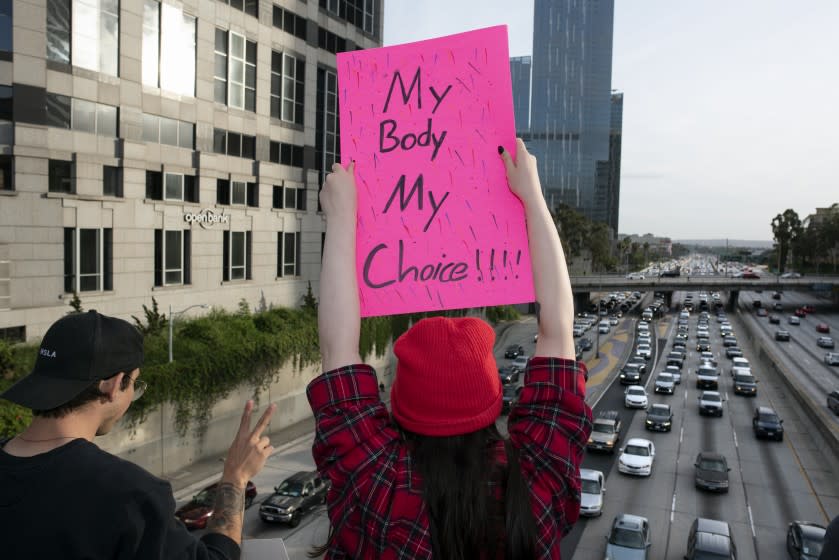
(86, 375)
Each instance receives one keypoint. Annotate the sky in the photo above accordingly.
(731, 108)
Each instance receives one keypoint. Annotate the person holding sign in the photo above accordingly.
(436, 479)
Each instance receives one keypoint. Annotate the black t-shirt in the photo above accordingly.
(78, 501)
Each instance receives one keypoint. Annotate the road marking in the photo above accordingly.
(681, 434)
(751, 521)
(673, 508)
(735, 438)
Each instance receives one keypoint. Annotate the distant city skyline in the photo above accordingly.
(730, 114)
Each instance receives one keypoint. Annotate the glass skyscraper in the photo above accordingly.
(520, 74)
(571, 104)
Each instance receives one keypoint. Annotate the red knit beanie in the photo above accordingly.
(447, 380)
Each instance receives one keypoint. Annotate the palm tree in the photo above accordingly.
(786, 228)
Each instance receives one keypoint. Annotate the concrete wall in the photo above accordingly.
(157, 447)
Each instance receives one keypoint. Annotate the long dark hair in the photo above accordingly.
(458, 475)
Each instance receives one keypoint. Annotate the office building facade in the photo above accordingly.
(166, 149)
(570, 109)
(520, 67)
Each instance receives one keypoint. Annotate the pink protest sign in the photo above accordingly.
(438, 227)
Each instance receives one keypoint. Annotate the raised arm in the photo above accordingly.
(339, 317)
(554, 299)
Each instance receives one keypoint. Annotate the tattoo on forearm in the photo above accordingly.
(228, 509)
(538, 312)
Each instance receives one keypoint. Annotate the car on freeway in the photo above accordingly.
(577, 331)
(603, 327)
(634, 276)
(708, 356)
(739, 362)
(195, 513)
(703, 345)
(676, 359)
(679, 345)
(805, 540)
(635, 396)
(790, 275)
(509, 374)
(605, 432)
(776, 295)
(585, 343)
(630, 374)
(762, 312)
(591, 492)
(710, 403)
(745, 384)
(659, 418)
(711, 472)
(644, 339)
(629, 538)
(644, 350)
(782, 335)
(675, 372)
(637, 457)
(613, 320)
(766, 423)
(733, 352)
(808, 308)
(513, 351)
(793, 320)
(295, 497)
(832, 358)
(509, 397)
(710, 539)
(823, 328)
(777, 306)
(640, 362)
(825, 342)
(707, 377)
(729, 341)
(774, 320)
(682, 336)
(750, 275)
(520, 362)
(800, 312)
(664, 383)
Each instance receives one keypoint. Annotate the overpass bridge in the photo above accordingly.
(583, 286)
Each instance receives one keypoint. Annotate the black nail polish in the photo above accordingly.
(500, 149)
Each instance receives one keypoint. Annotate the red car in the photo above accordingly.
(822, 327)
(199, 510)
(808, 309)
(751, 275)
(800, 312)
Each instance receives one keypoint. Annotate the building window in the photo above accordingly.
(161, 130)
(250, 7)
(286, 154)
(234, 144)
(237, 192)
(84, 33)
(59, 109)
(88, 259)
(61, 176)
(235, 70)
(360, 13)
(6, 98)
(290, 22)
(288, 76)
(78, 114)
(327, 126)
(331, 42)
(288, 254)
(332, 6)
(168, 48)
(111, 181)
(6, 25)
(290, 198)
(13, 334)
(171, 186)
(172, 256)
(6, 173)
(368, 16)
(236, 255)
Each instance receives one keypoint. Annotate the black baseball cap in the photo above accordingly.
(77, 350)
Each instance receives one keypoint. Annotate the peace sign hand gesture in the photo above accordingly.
(250, 449)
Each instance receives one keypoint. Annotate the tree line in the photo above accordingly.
(811, 244)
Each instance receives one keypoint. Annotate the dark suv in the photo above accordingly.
(766, 423)
(605, 432)
(709, 538)
(833, 401)
(513, 351)
(296, 496)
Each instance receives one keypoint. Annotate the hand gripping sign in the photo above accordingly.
(438, 227)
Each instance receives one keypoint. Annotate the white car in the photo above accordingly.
(644, 350)
(664, 383)
(634, 276)
(635, 396)
(675, 372)
(738, 364)
(603, 327)
(708, 357)
(637, 457)
(591, 495)
(710, 403)
(832, 358)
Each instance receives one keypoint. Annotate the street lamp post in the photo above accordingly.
(172, 322)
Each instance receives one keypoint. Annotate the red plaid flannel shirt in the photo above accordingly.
(375, 503)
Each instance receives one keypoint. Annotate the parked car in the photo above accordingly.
(195, 513)
(591, 492)
(710, 403)
(825, 342)
(629, 538)
(805, 540)
(659, 418)
(711, 472)
(664, 383)
(605, 432)
(637, 457)
(709, 538)
(635, 396)
(767, 423)
(782, 335)
(745, 384)
(823, 328)
(832, 358)
(513, 351)
(297, 495)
